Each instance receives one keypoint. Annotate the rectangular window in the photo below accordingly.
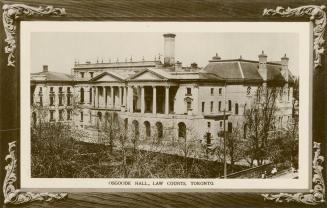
(230, 127)
(90, 97)
(248, 90)
(91, 74)
(219, 106)
(82, 74)
(82, 116)
(51, 89)
(211, 91)
(69, 114)
(68, 89)
(41, 100)
(211, 106)
(220, 91)
(203, 103)
(189, 105)
(229, 105)
(61, 115)
(236, 108)
(188, 91)
(52, 115)
(60, 100)
(51, 100)
(68, 100)
(221, 124)
(60, 89)
(208, 138)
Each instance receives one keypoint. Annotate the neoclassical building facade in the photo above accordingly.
(163, 96)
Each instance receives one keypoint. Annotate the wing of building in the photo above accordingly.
(162, 98)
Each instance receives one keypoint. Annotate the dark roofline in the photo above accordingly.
(115, 65)
(142, 72)
(53, 81)
(242, 60)
(116, 62)
(103, 74)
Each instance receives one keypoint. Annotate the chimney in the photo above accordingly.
(169, 49)
(178, 66)
(45, 68)
(284, 71)
(263, 66)
(215, 58)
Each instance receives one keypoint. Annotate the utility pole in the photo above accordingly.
(225, 163)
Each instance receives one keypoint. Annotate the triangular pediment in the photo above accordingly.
(106, 77)
(148, 75)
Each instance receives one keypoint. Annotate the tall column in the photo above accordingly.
(93, 99)
(120, 97)
(142, 100)
(167, 100)
(130, 99)
(105, 97)
(154, 100)
(112, 97)
(125, 97)
(96, 97)
(101, 97)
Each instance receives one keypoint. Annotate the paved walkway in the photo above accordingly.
(286, 174)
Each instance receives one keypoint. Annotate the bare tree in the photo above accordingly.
(259, 121)
(109, 128)
(234, 145)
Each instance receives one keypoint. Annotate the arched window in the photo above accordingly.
(100, 116)
(244, 110)
(107, 119)
(229, 105)
(82, 95)
(181, 130)
(147, 127)
(236, 108)
(135, 129)
(126, 123)
(245, 130)
(159, 130)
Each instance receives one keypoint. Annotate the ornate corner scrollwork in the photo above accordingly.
(317, 16)
(15, 196)
(15, 11)
(316, 195)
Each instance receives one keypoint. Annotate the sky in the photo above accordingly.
(59, 50)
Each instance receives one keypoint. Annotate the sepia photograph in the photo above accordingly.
(211, 103)
(164, 105)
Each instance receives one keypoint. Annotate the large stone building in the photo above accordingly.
(163, 97)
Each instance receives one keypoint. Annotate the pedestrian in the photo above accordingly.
(274, 171)
(263, 175)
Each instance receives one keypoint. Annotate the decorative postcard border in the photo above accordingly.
(12, 13)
